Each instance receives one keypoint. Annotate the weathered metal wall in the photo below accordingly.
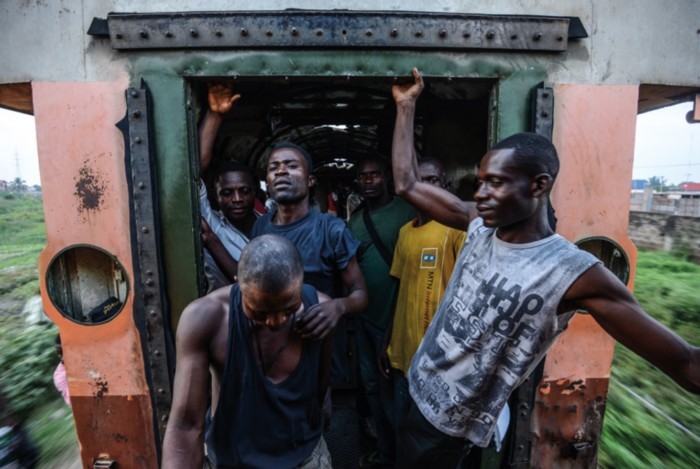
(645, 41)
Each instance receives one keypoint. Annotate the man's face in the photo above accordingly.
(504, 193)
(271, 309)
(371, 180)
(431, 174)
(288, 179)
(235, 193)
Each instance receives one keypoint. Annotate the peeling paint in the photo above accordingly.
(91, 188)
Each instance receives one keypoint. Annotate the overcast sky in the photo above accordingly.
(666, 146)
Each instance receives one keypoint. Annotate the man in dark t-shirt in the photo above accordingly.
(262, 368)
(327, 248)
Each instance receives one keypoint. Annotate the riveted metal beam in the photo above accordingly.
(150, 305)
(543, 112)
(337, 29)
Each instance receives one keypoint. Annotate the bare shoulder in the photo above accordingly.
(204, 317)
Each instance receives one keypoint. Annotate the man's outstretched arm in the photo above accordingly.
(617, 311)
(440, 204)
(183, 446)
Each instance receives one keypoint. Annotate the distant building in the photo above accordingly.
(688, 186)
(683, 203)
(639, 184)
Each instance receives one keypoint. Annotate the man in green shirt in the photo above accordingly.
(376, 224)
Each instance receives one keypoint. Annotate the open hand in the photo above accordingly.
(221, 98)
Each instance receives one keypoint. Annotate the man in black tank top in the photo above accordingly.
(267, 381)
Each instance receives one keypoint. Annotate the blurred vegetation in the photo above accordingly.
(27, 352)
(664, 431)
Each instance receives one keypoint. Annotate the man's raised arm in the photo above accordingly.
(438, 203)
(220, 98)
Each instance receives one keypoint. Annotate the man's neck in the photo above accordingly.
(379, 202)
(245, 225)
(422, 219)
(291, 212)
(527, 231)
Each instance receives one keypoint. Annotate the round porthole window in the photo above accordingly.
(610, 253)
(87, 284)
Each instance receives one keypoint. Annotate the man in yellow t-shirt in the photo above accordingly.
(424, 258)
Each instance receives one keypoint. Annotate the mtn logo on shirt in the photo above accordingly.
(428, 258)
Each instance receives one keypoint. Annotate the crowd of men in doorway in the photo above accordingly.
(455, 303)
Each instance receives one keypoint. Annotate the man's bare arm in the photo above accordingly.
(183, 446)
(226, 263)
(440, 204)
(617, 311)
(221, 99)
(322, 318)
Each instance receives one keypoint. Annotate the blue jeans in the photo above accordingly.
(378, 390)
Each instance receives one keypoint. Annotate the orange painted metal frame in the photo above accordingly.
(594, 131)
(77, 139)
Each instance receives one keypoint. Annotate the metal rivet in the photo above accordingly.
(368, 32)
(419, 34)
(161, 391)
(394, 32)
(513, 37)
(319, 32)
(134, 94)
(560, 38)
(149, 272)
(545, 95)
(523, 414)
(143, 34)
(153, 313)
(218, 33)
(286, 78)
(156, 353)
(466, 34)
(537, 36)
(164, 418)
(119, 36)
(544, 114)
(149, 282)
(138, 140)
(490, 35)
(194, 33)
(268, 33)
(344, 32)
(442, 33)
(244, 32)
(136, 114)
(521, 447)
(295, 32)
(144, 229)
(142, 185)
(168, 34)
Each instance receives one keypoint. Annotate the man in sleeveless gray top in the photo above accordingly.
(513, 290)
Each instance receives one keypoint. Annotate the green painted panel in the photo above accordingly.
(175, 186)
(514, 103)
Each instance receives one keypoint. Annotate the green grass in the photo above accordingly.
(667, 287)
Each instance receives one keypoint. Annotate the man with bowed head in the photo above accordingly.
(514, 287)
(268, 381)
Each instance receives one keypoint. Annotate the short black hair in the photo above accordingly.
(271, 263)
(294, 146)
(533, 153)
(382, 162)
(236, 167)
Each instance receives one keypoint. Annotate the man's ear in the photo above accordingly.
(312, 180)
(541, 184)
